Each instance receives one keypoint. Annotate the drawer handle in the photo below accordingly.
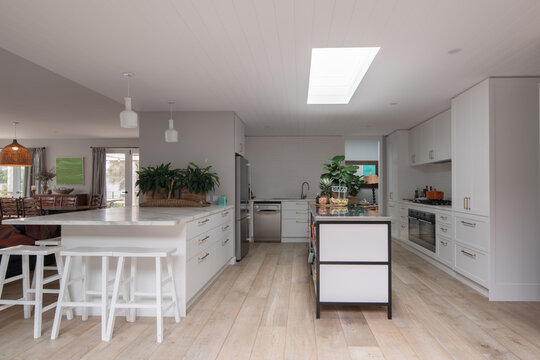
(468, 254)
(224, 242)
(223, 228)
(403, 227)
(202, 222)
(443, 243)
(443, 229)
(444, 217)
(300, 203)
(301, 221)
(403, 217)
(225, 213)
(468, 224)
(200, 241)
(201, 259)
(301, 212)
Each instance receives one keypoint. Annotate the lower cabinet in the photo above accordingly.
(472, 264)
(340, 283)
(294, 221)
(445, 250)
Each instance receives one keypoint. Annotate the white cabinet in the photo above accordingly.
(398, 182)
(430, 142)
(239, 136)
(470, 150)
(294, 221)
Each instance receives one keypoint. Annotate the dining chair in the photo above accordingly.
(31, 207)
(96, 201)
(69, 201)
(9, 208)
(48, 201)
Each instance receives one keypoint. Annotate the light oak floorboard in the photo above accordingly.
(264, 308)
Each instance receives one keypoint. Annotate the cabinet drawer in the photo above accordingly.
(403, 210)
(445, 250)
(404, 218)
(294, 205)
(225, 249)
(445, 218)
(473, 231)
(404, 231)
(201, 225)
(205, 240)
(445, 230)
(353, 242)
(294, 214)
(199, 270)
(473, 264)
(354, 283)
(295, 227)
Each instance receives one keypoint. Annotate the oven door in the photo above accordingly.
(414, 228)
(427, 234)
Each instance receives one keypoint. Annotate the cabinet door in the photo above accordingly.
(239, 136)
(461, 152)
(441, 137)
(424, 141)
(392, 166)
(414, 137)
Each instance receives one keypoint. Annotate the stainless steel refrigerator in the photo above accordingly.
(241, 207)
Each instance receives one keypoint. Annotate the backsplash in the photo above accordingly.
(439, 176)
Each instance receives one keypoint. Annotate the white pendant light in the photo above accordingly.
(171, 135)
(128, 118)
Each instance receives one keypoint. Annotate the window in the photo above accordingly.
(11, 181)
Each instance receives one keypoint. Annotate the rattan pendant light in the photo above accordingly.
(15, 154)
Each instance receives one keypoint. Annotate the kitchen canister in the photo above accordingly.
(222, 200)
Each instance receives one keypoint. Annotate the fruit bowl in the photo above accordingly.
(63, 190)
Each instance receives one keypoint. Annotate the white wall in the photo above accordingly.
(57, 148)
(279, 165)
(204, 137)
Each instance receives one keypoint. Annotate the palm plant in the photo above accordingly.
(198, 180)
(325, 185)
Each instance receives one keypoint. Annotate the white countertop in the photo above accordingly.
(425, 206)
(155, 216)
(281, 199)
(357, 214)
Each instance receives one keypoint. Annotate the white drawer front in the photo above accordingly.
(473, 264)
(225, 249)
(200, 242)
(473, 232)
(445, 230)
(354, 283)
(353, 242)
(205, 224)
(294, 214)
(404, 218)
(445, 250)
(403, 210)
(404, 231)
(226, 216)
(294, 205)
(445, 218)
(199, 270)
(295, 227)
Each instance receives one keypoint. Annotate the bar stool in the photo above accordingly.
(25, 251)
(57, 241)
(134, 254)
(63, 297)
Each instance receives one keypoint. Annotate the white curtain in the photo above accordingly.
(38, 164)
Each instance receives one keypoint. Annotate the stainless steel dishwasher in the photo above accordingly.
(267, 221)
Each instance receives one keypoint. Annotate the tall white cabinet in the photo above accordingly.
(495, 174)
(429, 142)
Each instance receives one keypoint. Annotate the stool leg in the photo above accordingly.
(133, 312)
(114, 300)
(173, 290)
(26, 274)
(125, 296)
(3, 271)
(59, 305)
(84, 287)
(104, 295)
(60, 270)
(159, 309)
(39, 297)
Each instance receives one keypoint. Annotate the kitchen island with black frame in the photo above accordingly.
(350, 255)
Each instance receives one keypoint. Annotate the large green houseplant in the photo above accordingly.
(197, 182)
(342, 175)
(158, 182)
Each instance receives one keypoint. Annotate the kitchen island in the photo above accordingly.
(350, 255)
(203, 238)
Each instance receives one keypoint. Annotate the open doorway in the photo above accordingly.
(122, 165)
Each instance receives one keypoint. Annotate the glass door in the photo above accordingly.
(11, 181)
(121, 175)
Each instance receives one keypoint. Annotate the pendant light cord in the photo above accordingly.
(15, 127)
(129, 83)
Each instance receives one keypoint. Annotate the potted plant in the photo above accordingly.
(354, 188)
(340, 174)
(158, 182)
(325, 185)
(196, 182)
(44, 177)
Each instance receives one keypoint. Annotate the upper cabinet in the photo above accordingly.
(429, 142)
(470, 150)
(239, 136)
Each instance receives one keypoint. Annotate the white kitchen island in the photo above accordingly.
(203, 239)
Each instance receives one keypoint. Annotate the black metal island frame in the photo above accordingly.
(350, 256)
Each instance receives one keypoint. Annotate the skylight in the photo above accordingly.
(336, 73)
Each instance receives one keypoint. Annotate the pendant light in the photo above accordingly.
(171, 135)
(128, 118)
(15, 154)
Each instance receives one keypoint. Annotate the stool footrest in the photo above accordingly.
(49, 307)
(52, 267)
(13, 278)
(45, 291)
(80, 304)
(50, 279)
(20, 301)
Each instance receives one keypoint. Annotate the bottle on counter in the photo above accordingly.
(416, 193)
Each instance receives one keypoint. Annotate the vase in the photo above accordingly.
(44, 189)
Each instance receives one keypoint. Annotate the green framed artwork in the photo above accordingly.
(69, 171)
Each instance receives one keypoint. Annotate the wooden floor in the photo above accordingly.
(263, 308)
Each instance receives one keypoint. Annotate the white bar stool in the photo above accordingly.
(63, 298)
(134, 254)
(26, 251)
(57, 241)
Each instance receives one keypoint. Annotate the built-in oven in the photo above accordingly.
(422, 228)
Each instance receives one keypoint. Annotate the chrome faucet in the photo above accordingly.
(302, 195)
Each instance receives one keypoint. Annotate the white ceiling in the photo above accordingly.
(253, 56)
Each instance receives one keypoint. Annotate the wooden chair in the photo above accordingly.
(9, 208)
(96, 201)
(69, 201)
(31, 207)
(48, 202)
